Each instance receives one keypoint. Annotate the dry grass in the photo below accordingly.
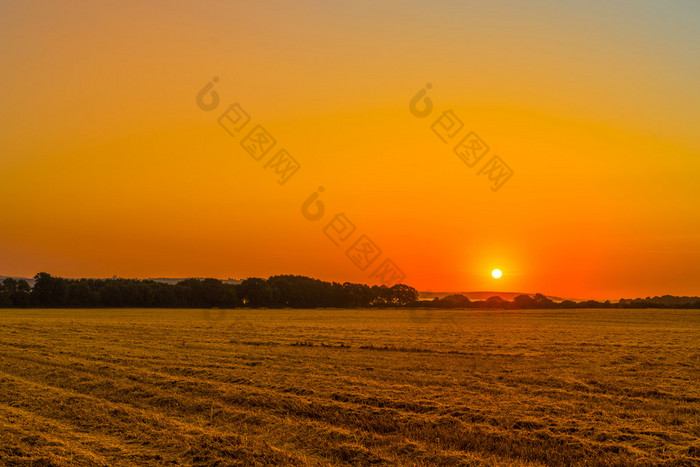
(324, 387)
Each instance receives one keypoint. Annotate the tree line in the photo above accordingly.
(274, 292)
(539, 301)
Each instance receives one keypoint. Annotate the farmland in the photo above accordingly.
(356, 387)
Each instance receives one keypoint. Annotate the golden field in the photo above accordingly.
(114, 387)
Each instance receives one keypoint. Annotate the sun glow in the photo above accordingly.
(496, 273)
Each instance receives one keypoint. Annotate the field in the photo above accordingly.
(356, 387)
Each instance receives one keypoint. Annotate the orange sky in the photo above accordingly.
(109, 167)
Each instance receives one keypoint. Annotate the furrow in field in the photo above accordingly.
(301, 383)
(379, 400)
(166, 378)
(187, 442)
(318, 437)
(452, 433)
(37, 437)
(180, 405)
(215, 389)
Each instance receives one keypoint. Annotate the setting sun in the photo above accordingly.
(496, 273)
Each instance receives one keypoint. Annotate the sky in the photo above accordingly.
(114, 159)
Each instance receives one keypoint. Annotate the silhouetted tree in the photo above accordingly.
(255, 293)
(21, 298)
(453, 301)
(207, 293)
(524, 302)
(49, 291)
(80, 293)
(543, 302)
(402, 295)
(495, 302)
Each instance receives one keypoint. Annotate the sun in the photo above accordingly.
(496, 273)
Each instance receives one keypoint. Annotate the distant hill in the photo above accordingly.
(481, 295)
(665, 300)
(30, 281)
(165, 280)
(670, 300)
(168, 280)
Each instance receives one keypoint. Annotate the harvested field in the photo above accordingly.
(357, 387)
